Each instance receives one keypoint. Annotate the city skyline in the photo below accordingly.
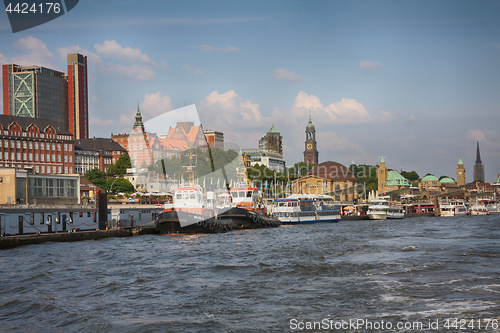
(415, 83)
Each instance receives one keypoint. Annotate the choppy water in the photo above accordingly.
(270, 280)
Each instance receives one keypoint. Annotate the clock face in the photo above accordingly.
(460, 172)
(309, 146)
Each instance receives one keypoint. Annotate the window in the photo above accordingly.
(18, 144)
(6, 155)
(70, 147)
(30, 145)
(58, 147)
(12, 143)
(36, 157)
(42, 168)
(24, 156)
(53, 169)
(37, 169)
(36, 145)
(41, 218)
(53, 158)
(59, 158)
(42, 157)
(65, 147)
(53, 146)
(59, 169)
(65, 158)
(24, 145)
(30, 157)
(48, 157)
(32, 218)
(70, 169)
(18, 156)
(66, 170)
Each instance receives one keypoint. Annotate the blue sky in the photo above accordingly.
(414, 82)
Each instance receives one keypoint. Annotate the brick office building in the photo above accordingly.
(37, 144)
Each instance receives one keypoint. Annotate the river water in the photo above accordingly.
(312, 278)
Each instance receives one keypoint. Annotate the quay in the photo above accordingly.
(7, 242)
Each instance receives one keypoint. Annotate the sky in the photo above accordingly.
(414, 82)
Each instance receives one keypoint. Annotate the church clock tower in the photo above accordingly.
(311, 153)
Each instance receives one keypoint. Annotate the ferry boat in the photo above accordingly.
(492, 206)
(452, 207)
(304, 211)
(382, 209)
(478, 209)
(190, 213)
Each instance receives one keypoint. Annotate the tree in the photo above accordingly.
(123, 164)
(411, 176)
(119, 185)
(96, 177)
(300, 169)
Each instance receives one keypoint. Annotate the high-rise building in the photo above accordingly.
(215, 139)
(35, 92)
(272, 141)
(78, 109)
(478, 166)
(40, 92)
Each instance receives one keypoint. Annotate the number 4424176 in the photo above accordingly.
(463, 324)
(24, 8)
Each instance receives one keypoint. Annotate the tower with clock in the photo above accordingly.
(311, 153)
(461, 173)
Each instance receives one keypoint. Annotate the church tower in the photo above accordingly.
(382, 176)
(138, 125)
(478, 167)
(461, 174)
(311, 153)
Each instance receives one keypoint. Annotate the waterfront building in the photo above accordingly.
(272, 141)
(389, 181)
(478, 166)
(36, 144)
(461, 174)
(273, 161)
(496, 184)
(78, 108)
(448, 185)
(144, 148)
(328, 178)
(215, 139)
(96, 153)
(430, 185)
(311, 152)
(185, 135)
(22, 187)
(40, 92)
(146, 181)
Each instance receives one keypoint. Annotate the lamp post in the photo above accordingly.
(113, 183)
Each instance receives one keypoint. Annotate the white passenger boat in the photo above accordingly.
(452, 207)
(382, 209)
(303, 211)
(478, 209)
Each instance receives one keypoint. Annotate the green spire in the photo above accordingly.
(273, 130)
(382, 160)
(138, 119)
(460, 162)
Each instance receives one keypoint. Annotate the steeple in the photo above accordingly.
(311, 152)
(478, 166)
(138, 125)
(478, 155)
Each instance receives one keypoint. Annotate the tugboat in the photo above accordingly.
(191, 213)
(247, 211)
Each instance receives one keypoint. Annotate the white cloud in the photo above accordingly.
(230, 113)
(208, 48)
(487, 139)
(38, 54)
(369, 65)
(111, 48)
(346, 111)
(155, 105)
(192, 70)
(133, 72)
(164, 65)
(284, 75)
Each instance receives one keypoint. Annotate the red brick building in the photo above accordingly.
(37, 144)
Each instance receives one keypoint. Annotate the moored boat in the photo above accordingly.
(382, 209)
(478, 209)
(452, 207)
(302, 211)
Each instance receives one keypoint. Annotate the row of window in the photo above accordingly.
(29, 145)
(41, 168)
(29, 157)
(64, 218)
(35, 135)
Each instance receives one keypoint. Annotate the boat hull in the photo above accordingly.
(178, 222)
(246, 219)
(377, 216)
